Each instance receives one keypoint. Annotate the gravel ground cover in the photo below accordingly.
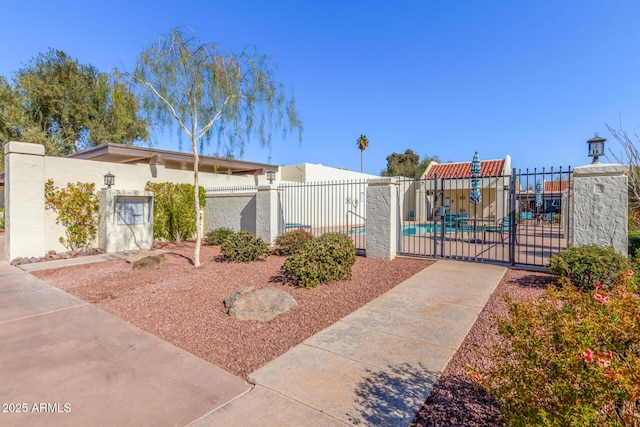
(184, 305)
(453, 400)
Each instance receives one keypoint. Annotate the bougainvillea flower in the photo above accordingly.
(607, 354)
(608, 373)
(606, 300)
(477, 377)
(597, 285)
(630, 272)
(587, 355)
(599, 297)
(604, 362)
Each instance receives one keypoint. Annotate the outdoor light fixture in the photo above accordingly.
(596, 148)
(271, 175)
(109, 180)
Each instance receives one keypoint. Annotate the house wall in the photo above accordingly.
(236, 211)
(31, 231)
(308, 172)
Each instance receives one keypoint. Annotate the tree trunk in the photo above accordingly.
(196, 194)
(361, 161)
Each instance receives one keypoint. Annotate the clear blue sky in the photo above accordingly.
(533, 79)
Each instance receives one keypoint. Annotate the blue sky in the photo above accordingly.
(533, 79)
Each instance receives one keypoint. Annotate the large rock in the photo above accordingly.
(151, 262)
(262, 305)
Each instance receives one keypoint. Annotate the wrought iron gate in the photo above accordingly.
(521, 218)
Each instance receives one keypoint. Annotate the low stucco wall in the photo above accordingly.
(236, 211)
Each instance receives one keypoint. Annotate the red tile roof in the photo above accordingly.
(555, 186)
(489, 168)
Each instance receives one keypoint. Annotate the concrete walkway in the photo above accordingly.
(377, 365)
(373, 367)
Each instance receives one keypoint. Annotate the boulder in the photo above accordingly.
(149, 262)
(262, 305)
(139, 255)
(228, 301)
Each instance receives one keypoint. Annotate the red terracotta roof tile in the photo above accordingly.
(488, 168)
(555, 186)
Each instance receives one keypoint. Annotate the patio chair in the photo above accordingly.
(503, 225)
(295, 225)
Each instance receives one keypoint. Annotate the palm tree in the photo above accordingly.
(363, 144)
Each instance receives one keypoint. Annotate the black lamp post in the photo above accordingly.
(271, 175)
(109, 180)
(596, 148)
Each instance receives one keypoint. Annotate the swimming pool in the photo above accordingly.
(410, 229)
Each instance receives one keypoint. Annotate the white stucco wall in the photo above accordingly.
(309, 172)
(600, 206)
(382, 218)
(113, 236)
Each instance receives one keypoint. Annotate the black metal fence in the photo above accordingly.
(323, 207)
(520, 219)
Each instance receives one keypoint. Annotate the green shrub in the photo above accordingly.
(634, 242)
(326, 259)
(77, 208)
(1, 218)
(217, 236)
(293, 241)
(571, 358)
(244, 246)
(174, 216)
(585, 265)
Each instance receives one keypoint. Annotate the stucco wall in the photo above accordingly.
(116, 236)
(600, 206)
(32, 231)
(308, 172)
(236, 211)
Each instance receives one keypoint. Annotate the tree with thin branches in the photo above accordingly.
(205, 88)
(363, 144)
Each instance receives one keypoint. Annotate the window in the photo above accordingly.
(130, 211)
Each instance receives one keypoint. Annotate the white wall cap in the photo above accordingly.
(600, 169)
(23, 148)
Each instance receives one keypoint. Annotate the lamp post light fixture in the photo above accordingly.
(596, 148)
(109, 180)
(271, 175)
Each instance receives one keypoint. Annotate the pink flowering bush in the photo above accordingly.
(570, 359)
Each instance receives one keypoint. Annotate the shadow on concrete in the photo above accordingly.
(392, 397)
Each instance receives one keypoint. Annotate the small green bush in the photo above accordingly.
(217, 236)
(634, 242)
(585, 265)
(244, 246)
(1, 218)
(326, 259)
(571, 358)
(293, 241)
(174, 215)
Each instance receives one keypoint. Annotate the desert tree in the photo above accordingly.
(205, 88)
(631, 156)
(363, 144)
(67, 106)
(407, 164)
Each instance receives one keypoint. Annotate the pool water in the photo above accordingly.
(410, 229)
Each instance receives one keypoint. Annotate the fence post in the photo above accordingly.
(382, 218)
(267, 213)
(24, 200)
(600, 206)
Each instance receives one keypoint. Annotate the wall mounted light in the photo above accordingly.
(109, 180)
(271, 176)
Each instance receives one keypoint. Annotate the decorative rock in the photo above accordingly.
(228, 301)
(139, 255)
(149, 262)
(262, 305)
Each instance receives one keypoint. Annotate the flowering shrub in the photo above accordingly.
(76, 207)
(571, 358)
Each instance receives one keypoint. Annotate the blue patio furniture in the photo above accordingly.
(295, 225)
(502, 227)
(526, 215)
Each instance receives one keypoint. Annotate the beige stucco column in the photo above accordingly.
(382, 218)
(24, 200)
(600, 207)
(267, 219)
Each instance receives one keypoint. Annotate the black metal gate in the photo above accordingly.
(521, 218)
